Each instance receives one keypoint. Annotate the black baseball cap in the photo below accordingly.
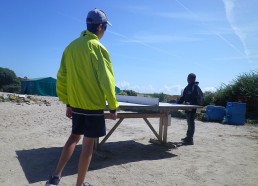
(97, 16)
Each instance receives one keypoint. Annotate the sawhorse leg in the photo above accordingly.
(97, 144)
(163, 129)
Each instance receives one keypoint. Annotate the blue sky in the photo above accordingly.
(153, 44)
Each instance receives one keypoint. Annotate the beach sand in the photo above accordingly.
(32, 137)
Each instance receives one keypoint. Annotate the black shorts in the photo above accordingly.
(90, 123)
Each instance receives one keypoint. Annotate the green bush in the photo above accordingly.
(128, 92)
(243, 89)
(123, 93)
(178, 114)
(13, 88)
(9, 82)
(208, 98)
(161, 96)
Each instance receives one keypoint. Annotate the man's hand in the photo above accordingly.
(113, 116)
(186, 103)
(69, 112)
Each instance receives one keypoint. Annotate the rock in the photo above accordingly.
(19, 99)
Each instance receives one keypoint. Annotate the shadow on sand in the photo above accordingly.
(38, 164)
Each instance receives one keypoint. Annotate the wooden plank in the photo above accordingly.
(138, 100)
(169, 119)
(96, 143)
(165, 130)
(178, 106)
(161, 126)
(152, 129)
(111, 131)
(136, 115)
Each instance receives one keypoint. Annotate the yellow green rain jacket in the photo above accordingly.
(85, 78)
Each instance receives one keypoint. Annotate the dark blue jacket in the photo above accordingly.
(190, 94)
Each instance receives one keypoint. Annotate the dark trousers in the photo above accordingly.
(190, 116)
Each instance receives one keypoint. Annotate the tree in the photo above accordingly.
(243, 89)
(123, 93)
(161, 96)
(130, 92)
(9, 82)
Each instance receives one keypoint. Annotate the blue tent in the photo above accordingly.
(39, 86)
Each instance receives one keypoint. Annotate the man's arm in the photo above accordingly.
(106, 78)
(68, 111)
(194, 95)
(61, 83)
(182, 98)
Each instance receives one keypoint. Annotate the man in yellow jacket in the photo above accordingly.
(85, 81)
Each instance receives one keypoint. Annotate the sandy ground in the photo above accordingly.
(32, 136)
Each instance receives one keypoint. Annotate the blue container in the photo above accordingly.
(236, 108)
(235, 113)
(215, 113)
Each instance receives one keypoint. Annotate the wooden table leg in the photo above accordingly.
(165, 128)
(161, 127)
(96, 143)
(110, 132)
(160, 135)
(153, 130)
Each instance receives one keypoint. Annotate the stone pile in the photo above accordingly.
(23, 99)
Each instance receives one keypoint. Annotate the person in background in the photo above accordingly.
(85, 81)
(190, 97)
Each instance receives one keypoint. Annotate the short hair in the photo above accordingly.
(93, 27)
(192, 75)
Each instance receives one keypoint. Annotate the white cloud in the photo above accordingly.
(123, 85)
(201, 17)
(173, 90)
(242, 18)
(147, 89)
(137, 9)
(209, 89)
(229, 7)
(229, 58)
(167, 89)
(154, 38)
(144, 43)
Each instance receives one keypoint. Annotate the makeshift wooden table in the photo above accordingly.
(160, 110)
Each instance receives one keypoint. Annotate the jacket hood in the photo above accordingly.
(196, 83)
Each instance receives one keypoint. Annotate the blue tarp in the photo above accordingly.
(39, 86)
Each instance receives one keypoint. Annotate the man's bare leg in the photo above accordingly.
(67, 153)
(85, 158)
